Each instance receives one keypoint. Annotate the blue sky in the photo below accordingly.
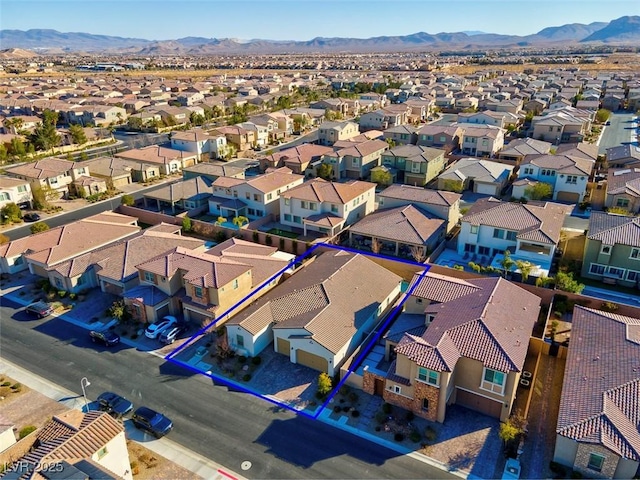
(303, 19)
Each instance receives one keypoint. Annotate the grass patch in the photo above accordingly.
(282, 233)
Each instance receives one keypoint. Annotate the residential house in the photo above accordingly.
(326, 207)
(254, 197)
(517, 149)
(623, 189)
(49, 173)
(78, 445)
(260, 133)
(355, 159)
(15, 190)
(415, 164)
(612, 249)
(320, 315)
(530, 232)
(598, 423)
(203, 286)
(190, 194)
(444, 205)
(479, 176)
(559, 126)
(567, 175)
(201, 143)
(113, 267)
(481, 141)
(120, 171)
(211, 171)
(384, 118)
(487, 117)
(623, 156)
(332, 132)
(405, 231)
(401, 135)
(298, 159)
(585, 150)
(458, 343)
(168, 160)
(440, 136)
(238, 137)
(87, 185)
(337, 105)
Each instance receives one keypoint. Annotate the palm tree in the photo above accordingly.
(220, 220)
(507, 262)
(525, 269)
(239, 221)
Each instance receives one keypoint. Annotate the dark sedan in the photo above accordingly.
(152, 422)
(107, 338)
(31, 217)
(114, 404)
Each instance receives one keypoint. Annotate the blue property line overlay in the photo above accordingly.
(170, 357)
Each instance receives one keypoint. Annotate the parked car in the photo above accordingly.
(31, 217)
(511, 469)
(40, 309)
(106, 337)
(114, 404)
(152, 422)
(171, 334)
(158, 327)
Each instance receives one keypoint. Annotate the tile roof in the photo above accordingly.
(330, 298)
(155, 154)
(146, 294)
(191, 189)
(440, 288)
(279, 178)
(580, 150)
(419, 194)
(301, 154)
(406, 224)
(526, 146)
(623, 181)
(206, 168)
(238, 246)
(45, 168)
(415, 153)
(628, 153)
(612, 229)
(364, 149)
(319, 190)
(600, 400)
(477, 169)
(536, 223)
(561, 163)
(480, 325)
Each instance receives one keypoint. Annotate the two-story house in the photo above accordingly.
(332, 132)
(612, 249)
(15, 190)
(401, 135)
(201, 143)
(297, 159)
(517, 149)
(49, 173)
(530, 233)
(623, 189)
(567, 175)
(384, 118)
(466, 347)
(326, 207)
(168, 160)
(415, 164)
(254, 197)
(241, 139)
(478, 175)
(355, 159)
(481, 141)
(440, 136)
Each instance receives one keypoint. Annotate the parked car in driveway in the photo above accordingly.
(511, 469)
(160, 326)
(105, 337)
(31, 217)
(40, 309)
(152, 422)
(114, 404)
(171, 334)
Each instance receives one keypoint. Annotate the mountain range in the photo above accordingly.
(624, 30)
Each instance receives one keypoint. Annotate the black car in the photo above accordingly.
(114, 404)
(106, 337)
(40, 309)
(31, 217)
(152, 422)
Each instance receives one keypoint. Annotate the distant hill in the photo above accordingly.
(623, 30)
(16, 54)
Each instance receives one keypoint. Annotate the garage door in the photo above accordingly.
(485, 188)
(312, 361)
(198, 318)
(478, 403)
(283, 346)
(570, 197)
(162, 311)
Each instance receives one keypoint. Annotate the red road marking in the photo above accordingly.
(226, 474)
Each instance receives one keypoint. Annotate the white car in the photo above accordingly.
(512, 469)
(157, 328)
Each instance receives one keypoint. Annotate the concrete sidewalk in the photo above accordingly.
(172, 451)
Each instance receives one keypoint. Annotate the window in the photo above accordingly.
(595, 462)
(622, 202)
(304, 204)
(493, 381)
(498, 233)
(287, 201)
(22, 188)
(235, 284)
(633, 276)
(59, 283)
(334, 208)
(573, 179)
(474, 228)
(425, 404)
(197, 291)
(596, 269)
(297, 219)
(269, 196)
(511, 235)
(484, 251)
(606, 249)
(235, 194)
(396, 389)
(313, 206)
(102, 452)
(287, 217)
(354, 162)
(415, 167)
(615, 272)
(443, 139)
(247, 195)
(635, 253)
(239, 340)
(174, 167)
(257, 198)
(149, 277)
(528, 171)
(5, 196)
(428, 376)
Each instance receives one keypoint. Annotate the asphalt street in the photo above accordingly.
(226, 426)
(621, 131)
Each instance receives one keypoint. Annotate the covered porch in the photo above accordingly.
(325, 223)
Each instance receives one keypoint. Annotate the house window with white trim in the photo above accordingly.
(573, 179)
(428, 376)
(606, 249)
(635, 253)
(197, 291)
(596, 461)
(498, 233)
(396, 389)
(149, 277)
(511, 235)
(474, 229)
(616, 272)
(633, 276)
(235, 284)
(622, 202)
(304, 204)
(239, 340)
(596, 269)
(102, 452)
(493, 381)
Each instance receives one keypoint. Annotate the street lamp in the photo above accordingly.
(85, 383)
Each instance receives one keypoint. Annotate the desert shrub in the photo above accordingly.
(73, 296)
(268, 240)
(609, 307)
(62, 293)
(576, 474)
(430, 434)
(246, 377)
(242, 359)
(346, 408)
(558, 469)
(381, 417)
(353, 397)
(135, 469)
(256, 360)
(355, 413)
(344, 390)
(410, 416)
(26, 431)
(398, 437)
(337, 409)
(5, 384)
(324, 384)
(16, 386)
(386, 408)
(415, 436)
(256, 236)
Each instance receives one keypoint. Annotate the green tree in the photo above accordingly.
(619, 211)
(4, 153)
(566, 282)
(220, 220)
(186, 224)
(525, 269)
(11, 213)
(77, 134)
(381, 177)
(602, 115)
(324, 384)
(538, 191)
(134, 123)
(453, 185)
(39, 227)
(239, 221)
(197, 119)
(45, 136)
(127, 200)
(507, 262)
(118, 310)
(324, 171)
(391, 142)
(17, 148)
